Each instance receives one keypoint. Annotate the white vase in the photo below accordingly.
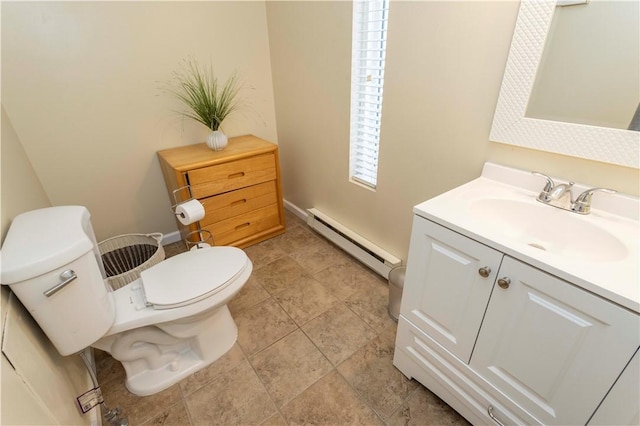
(217, 140)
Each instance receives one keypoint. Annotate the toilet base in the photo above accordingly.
(150, 382)
(188, 346)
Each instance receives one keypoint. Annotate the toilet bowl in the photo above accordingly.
(164, 326)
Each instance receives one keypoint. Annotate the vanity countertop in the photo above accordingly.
(597, 252)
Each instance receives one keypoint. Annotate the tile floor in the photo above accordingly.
(315, 346)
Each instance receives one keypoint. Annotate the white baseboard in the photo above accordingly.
(369, 254)
(302, 214)
(171, 237)
(364, 251)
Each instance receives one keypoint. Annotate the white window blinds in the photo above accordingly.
(369, 42)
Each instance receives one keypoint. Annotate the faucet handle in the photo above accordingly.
(549, 185)
(582, 204)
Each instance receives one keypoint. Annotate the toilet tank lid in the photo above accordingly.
(40, 241)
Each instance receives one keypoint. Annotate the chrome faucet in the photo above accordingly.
(560, 196)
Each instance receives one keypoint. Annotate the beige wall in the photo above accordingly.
(444, 68)
(21, 188)
(38, 386)
(90, 73)
(81, 82)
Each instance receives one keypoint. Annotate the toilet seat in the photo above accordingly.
(192, 276)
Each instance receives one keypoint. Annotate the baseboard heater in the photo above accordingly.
(362, 249)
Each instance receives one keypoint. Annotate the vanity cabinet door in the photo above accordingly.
(622, 404)
(447, 286)
(553, 349)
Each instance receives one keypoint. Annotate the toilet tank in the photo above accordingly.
(43, 249)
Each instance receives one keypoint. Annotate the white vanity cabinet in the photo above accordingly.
(502, 341)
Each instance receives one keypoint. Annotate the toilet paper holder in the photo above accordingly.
(177, 201)
(200, 238)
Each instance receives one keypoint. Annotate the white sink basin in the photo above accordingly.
(549, 229)
(599, 252)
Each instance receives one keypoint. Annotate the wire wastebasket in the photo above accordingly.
(126, 256)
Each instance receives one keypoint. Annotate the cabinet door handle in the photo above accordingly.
(493, 417)
(235, 175)
(504, 282)
(244, 225)
(484, 271)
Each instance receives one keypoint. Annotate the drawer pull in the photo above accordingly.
(236, 175)
(238, 202)
(244, 225)
(493, 417)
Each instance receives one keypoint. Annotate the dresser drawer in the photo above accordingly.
(237, 174)
(234, 203)
(245, 225)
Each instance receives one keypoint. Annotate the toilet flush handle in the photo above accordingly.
(67, 276)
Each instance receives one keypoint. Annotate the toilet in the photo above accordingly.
(164, 326)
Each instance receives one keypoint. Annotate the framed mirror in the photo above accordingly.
(511, 122)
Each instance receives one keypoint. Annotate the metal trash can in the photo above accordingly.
(396, 283)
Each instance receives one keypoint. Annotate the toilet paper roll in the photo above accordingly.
(189, 212)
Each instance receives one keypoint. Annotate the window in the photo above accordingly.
(369, 43)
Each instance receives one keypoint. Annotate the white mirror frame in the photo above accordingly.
(510, 126)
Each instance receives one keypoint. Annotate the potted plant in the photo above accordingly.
(205, 100)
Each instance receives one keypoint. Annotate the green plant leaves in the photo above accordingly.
(207, 102)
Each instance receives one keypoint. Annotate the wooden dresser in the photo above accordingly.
(239, 187)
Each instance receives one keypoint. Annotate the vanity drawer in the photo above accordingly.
(234, 203)
(245, 225)
(226, 177)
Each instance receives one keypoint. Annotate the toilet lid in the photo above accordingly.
(192, 276)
